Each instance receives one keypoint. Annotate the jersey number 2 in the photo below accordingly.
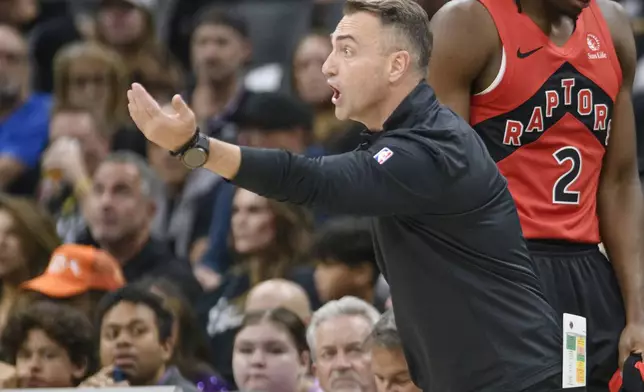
(561, 193)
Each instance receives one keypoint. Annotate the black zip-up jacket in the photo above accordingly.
(468, 304)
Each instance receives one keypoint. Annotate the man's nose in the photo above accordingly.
(341, 362)
(123, 340)
(105, 200)
(329, 67)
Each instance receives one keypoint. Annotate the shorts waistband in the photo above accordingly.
(560, 246)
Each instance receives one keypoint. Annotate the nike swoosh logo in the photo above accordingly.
(523, 55)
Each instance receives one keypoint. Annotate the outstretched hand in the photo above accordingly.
(169, 129)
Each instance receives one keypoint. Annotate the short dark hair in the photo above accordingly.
(346, 240)
(65, 325)
(385, 333)
(218, 16)
(271, 111)
(150, 182)
(138, 295)
(288, 320)
(408, 18)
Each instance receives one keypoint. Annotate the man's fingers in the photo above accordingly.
(144, 101)
(181, 107)
(106, 371)
(139, 117)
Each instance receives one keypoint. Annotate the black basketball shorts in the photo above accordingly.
(578, 279)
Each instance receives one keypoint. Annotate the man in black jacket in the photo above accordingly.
(446, 232)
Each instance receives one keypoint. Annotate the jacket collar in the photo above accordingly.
(420, 102)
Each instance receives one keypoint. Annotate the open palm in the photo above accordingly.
(169, 129)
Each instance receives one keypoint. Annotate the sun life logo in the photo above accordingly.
(595, 46)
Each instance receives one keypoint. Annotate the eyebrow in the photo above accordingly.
(344, 37)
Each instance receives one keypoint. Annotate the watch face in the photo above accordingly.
(195, 157)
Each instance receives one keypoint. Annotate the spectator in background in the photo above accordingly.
(51, 346)
(336, 338)
(311, 86)
(78, 145)
(268, 120)
(19, 13)
(24, 117)
(79, 276)
(184, 204)
(279, 293)
(119, 212)
(93, 76)
(269, 240)
(387, 357)
(136, 336)
(220, 48)
(271, 354)
(128, 27)
(346, 262)
(27, 240)
(191, 351)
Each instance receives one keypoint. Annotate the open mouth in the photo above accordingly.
(336, 95)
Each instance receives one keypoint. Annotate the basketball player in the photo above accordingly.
(547, 86)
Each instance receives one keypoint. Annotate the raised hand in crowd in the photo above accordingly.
(103, 379)
(8, 376)
(209, 279)
(65, 157)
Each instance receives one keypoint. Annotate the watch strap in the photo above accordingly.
(188, 145)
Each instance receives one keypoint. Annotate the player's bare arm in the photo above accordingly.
(464, 59)
(620, 198)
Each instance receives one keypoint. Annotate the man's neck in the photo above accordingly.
(125, 249)
(544, 17)
(157, 379)
(385, 109)
(364, 293)
(216, 95)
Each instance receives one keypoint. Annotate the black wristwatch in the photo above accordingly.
(194, 153)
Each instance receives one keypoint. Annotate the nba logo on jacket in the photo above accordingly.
(383, 155)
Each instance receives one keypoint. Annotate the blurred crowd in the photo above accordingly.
(185, 279)
(177, 272)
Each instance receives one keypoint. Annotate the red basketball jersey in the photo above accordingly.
(546, 120)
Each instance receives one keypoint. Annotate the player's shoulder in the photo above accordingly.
(462, 11)
(621, 31)
(616, 17)
(476, 35)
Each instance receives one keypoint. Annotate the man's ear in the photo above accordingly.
(79, 371)
(305, 360)
(167, 349)
(314, 370)
(400, 62)
(364, 274)
(152, 208)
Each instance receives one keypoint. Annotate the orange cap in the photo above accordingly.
(76, 269)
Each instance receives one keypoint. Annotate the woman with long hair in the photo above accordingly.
(269, 240)
(27, 239)
(90, 75)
